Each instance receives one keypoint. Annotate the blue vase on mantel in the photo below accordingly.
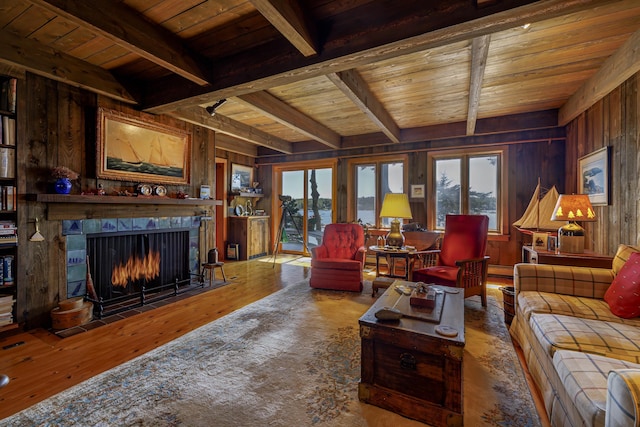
(62, 186)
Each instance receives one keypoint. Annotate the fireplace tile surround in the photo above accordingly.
(76, 232)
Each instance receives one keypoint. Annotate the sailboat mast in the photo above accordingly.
(538, 207)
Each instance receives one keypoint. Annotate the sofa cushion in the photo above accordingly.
(562, 279)
(622, 255)
(623, 296)
(530, 302)
(611, 339)
(584, 377)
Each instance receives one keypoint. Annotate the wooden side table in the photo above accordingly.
(391, 255)
(587, 259)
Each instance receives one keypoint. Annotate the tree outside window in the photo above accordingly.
(467, 184)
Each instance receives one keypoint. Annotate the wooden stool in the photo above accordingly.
(211, 266)
(381, 282)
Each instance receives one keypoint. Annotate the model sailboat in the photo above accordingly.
(537, 216)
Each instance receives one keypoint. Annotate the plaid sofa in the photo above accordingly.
(584, 360)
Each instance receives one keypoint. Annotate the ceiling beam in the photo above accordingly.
(620, 66)
(235, 145)
(219, 123)
(281, 112)
(47, 62)
(354, 42)
(288, 17)
(130, 30)
(479, 53)
(357, 90)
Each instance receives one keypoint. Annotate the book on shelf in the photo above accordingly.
(6, 321)
(7, 270)
(8, 130)
(8, 198)
(7, 308)
(7, 162)
(8, 94)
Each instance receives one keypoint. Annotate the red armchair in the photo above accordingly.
(338, 262)
(461, 261)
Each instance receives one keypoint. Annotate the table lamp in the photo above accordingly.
(395, 205)
(572, 208)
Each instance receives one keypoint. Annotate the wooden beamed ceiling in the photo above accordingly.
(327, 74)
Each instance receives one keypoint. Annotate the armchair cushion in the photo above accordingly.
(461, 261)
(338, 261)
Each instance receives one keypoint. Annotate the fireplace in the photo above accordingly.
(120, 264)
(133, 268)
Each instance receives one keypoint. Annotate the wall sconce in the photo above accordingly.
(211, 109)
(37, 236)
(572, 208)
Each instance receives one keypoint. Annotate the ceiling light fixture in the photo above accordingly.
(212, 108)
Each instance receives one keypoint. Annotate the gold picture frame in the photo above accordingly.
(138, 150)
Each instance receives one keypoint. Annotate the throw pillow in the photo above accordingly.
(623, 296)
(622, 255)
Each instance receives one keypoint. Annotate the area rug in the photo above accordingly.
(291, 359)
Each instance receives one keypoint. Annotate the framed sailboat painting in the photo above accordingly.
(139, 150)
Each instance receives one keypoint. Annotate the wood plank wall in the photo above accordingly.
(613, 121)
(56, 125)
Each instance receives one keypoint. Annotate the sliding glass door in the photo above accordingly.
(306, 207)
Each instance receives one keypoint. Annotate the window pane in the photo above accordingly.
(391, 181)
(483, 187)
(447, 189)
(366, 194)
(293, 186)
(319, 205)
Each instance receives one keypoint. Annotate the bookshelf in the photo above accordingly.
(8, 193)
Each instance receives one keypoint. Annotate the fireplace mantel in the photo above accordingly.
(80, 206)
(144, 200)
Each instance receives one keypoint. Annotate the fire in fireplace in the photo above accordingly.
(132, 268)
(136, 269)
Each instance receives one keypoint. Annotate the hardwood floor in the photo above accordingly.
(44, 364)
(41, 364)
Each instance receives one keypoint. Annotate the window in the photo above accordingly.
(466, 183)
(373, 179)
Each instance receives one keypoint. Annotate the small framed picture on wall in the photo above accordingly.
(417, 191)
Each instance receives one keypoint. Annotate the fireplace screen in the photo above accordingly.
(127, 267)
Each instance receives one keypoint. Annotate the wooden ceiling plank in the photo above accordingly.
(288, 17)
(279, 111)
(623, 64)
(272, 66)
(479, 53)
(199, 116)
(48, 62)
(126, 28)
(235, 145)
(357, 90)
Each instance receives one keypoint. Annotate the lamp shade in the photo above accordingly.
(573, 207)
(396, 205)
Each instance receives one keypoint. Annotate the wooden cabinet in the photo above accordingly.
(251, 233)
(586, 259)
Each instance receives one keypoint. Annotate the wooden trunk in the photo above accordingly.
(410, 369)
